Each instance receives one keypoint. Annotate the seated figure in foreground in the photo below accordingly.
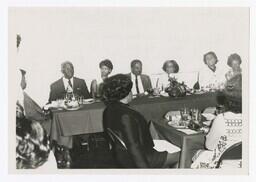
(226, 128)
(27, 110)
(33, 150)
(131, 127)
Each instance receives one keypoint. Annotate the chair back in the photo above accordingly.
(115, 139)
(120, 150)
(233, 152)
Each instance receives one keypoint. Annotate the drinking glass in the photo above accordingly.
(80, 100)
(196, 116)
(156, 91)
(184, 113)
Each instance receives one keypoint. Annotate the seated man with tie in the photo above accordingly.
(141, 82)
(68, 84)
(58, 90)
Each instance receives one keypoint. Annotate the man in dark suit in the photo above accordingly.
(68, 83)
(141, 82)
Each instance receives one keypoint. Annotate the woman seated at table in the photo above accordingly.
(211, 76)
(171, 68)
(226, 127)
(33, 149)
(131, 127)
(234, 62)
(106, 68)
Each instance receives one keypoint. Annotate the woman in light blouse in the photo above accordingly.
(234, 62)
(106, 68)
(171, 68)
(211, 75)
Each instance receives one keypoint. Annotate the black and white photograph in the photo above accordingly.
(122, 88)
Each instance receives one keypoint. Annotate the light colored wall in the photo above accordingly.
(85, 36)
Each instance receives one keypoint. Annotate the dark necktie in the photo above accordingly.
(137, 84)
(70, 84)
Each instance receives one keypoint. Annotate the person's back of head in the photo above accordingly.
(116, 88)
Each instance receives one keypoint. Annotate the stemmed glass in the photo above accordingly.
(184, 113)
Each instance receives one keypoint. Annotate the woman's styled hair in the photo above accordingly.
(116, 88)
(211, 53)
(233, 57)
(32, 144)
(233, 94)
(175, 64)
(107, 63)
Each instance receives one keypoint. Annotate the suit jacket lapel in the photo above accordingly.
(74, 83)
(61, 85)
(130, 75)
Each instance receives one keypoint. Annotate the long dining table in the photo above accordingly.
(88, 119)
(189, 143)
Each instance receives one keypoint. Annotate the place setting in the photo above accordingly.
(71, 102)
(190, 121)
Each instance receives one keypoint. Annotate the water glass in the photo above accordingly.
(184, 113)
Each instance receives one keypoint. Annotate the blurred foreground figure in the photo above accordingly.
(33, 150)
(28, 110)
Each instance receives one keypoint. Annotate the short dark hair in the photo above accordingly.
(233, 57)
(135, 61)
(213, 54)
(107, 63)
(65, 63)
(116, 88)
(175, 64)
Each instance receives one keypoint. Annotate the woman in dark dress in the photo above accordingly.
(131, 127)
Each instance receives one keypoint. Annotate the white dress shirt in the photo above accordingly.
(141, 89)
(68, 88)
(209, 78)
(164, 82)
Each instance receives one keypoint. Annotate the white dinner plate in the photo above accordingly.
(72, 108)
(164, 94)
(88, 100)
(170, 123)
